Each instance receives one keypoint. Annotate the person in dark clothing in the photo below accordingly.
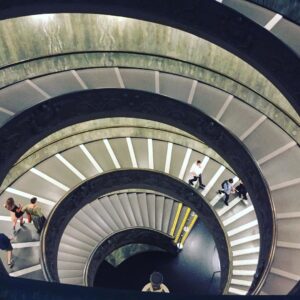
(5, 245)
(15, 212)
(241, 191)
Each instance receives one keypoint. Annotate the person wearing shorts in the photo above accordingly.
(15, 213)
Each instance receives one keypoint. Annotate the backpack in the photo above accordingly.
(223, 184)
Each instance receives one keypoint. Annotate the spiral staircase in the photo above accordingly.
(238, 218)
(245, 103)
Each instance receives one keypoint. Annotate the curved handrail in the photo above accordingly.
(146, 179)
(121, 238)
(292, 118)
(35, 153)
(233, 31)
(24, 61)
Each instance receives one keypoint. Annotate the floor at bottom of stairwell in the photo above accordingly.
(192, 271)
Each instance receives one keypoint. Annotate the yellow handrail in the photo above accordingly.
(182, 224)
(194, 219)
(176, 219)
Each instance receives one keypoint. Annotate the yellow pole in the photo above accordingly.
(182, 224)
(176, 219)
(189, 230)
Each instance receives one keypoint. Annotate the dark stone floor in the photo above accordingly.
(191, 271)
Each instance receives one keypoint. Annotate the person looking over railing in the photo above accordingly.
(156, 284)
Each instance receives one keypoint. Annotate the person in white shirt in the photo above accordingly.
(195, 174)
(227, 189)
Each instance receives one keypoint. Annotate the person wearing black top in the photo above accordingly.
(6, 246)
(15, 213)
(241, 191)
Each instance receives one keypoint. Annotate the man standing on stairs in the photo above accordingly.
(195, 174)
(241, 191)
(36, 213)
(227, 189)
(6, 246)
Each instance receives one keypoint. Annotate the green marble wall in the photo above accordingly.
(89, 60)
(109, 124)
(105, 128)
(34, 36)
(125, 252)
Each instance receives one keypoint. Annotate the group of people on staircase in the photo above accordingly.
(227, 187)
(34, 213)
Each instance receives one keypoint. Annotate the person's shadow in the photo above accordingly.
(25, 234)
